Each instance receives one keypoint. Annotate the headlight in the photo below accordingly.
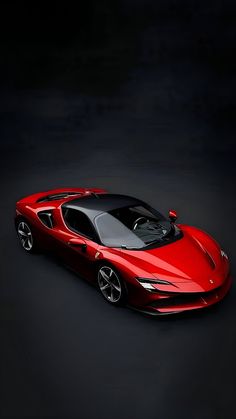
(147, 283)
(223, 254)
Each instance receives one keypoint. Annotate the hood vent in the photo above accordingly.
(211, 261)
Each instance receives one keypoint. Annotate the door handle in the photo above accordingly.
(82, 246)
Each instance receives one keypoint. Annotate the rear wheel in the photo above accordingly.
(111, 285)
(25, 235)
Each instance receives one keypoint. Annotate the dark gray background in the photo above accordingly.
(137, 97)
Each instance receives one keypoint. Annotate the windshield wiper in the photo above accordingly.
(123, 246)
(162, 238)
(153, 242)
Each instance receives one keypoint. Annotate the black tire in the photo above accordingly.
(26, 235)
(115, 291)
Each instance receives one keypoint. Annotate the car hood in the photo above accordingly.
(192, 263)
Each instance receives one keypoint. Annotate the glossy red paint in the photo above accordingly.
(196, 270)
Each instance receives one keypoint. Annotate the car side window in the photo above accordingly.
(77, 221)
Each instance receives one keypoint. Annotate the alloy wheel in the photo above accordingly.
(109, 284)
(25, 235)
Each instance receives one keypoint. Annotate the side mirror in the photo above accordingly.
(173, 215)
(77, 242)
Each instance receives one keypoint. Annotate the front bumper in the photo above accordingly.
(178, 302)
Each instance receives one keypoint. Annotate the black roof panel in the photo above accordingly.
(101, 203)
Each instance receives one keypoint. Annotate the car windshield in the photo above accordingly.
(134, 227)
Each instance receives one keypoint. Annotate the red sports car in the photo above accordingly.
(128, 249)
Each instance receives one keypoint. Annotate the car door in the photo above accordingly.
(78, 245)
(44, 225)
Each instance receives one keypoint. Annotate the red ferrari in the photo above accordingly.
(131, 252)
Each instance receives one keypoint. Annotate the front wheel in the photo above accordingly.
(111, 285)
